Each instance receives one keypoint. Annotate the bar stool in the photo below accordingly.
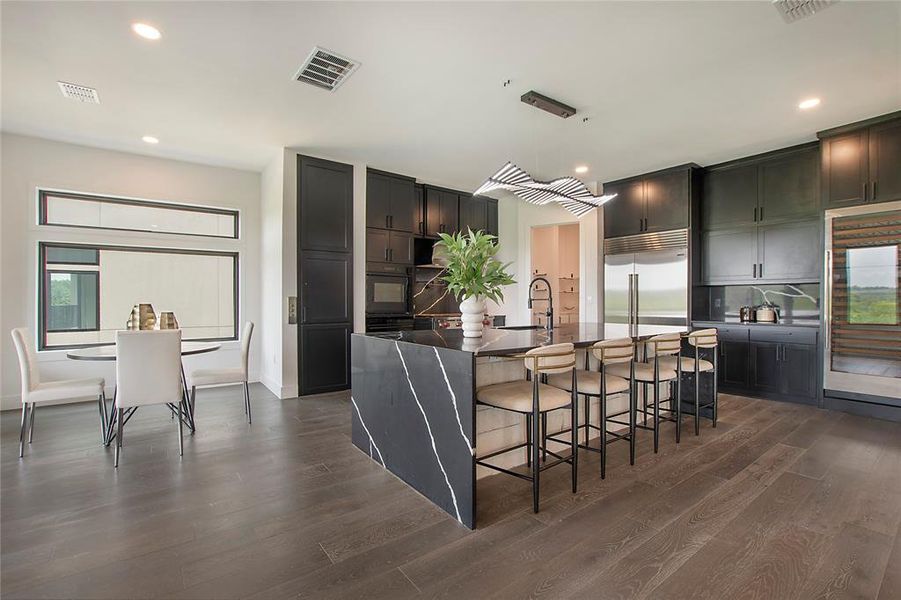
(599, 384)
(535, 399)
(653, 373)
(702, 338)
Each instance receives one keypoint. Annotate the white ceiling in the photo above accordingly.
(663, 83)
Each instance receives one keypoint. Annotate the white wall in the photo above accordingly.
(30, 163)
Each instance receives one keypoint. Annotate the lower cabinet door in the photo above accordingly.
(733, 363)
(324, 357)
(765, 367)
(799, 372)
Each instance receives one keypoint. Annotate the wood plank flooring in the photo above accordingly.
(779, 501)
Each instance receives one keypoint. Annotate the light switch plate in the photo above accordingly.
(292, 310)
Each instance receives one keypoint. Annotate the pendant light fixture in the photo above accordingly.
(569, 192)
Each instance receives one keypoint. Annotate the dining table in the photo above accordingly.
(107, 352)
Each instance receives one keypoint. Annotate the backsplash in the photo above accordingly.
(795, 301)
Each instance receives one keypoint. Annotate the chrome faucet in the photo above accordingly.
(550, 301)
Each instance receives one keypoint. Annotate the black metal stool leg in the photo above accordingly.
(528, 440)
(697, 401)
(544, 436)
(656, 414)
(678, 403)
(716, 397)
(536, 470)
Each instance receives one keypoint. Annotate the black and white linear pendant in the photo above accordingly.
(569, 192)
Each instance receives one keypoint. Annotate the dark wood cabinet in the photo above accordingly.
(729, 256)
(322, 354)
(492, 225)
(799, 371)
(389, 246)
(659, 201)
(390, 201)
(473, 213)
(859, 162)
(418, 210)
(765, 371)
(734, 361)
(789, 252)
(326, 287)
(729, 197)
(325, 205)
(441, 208)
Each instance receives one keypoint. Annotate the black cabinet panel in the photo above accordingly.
(799, 372)
(492, 226)
(789, 251)
(433, 225)
(845, 169)
(729, 255)
(789, 186)
(473, 213)
(729, 197)
(734, 363)
(323, 352)
(885, 162)
(325, 205)
(765, 373)
(403, 202)
(377, 244)
(419, 211)
(400, 247)
(378, 200)
(624, 215)
(326, 280)
(666, 201)
(450, 212)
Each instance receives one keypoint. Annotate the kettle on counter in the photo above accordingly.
(746, 314)
(766, 313)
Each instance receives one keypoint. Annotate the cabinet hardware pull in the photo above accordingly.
(387, 222)
(761, 213)
(391, 254)
(386, 255)
(303, 314)
(754, 273)
(873, 191)
(420, 226)
(760, 270)
(755, 214)
(864, 191)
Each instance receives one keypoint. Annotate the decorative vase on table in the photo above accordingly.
(473, 316)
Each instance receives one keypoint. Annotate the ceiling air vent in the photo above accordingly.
(792, 10)
(323, 68)
(78, 92)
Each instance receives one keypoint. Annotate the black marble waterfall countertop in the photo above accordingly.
(500, 341)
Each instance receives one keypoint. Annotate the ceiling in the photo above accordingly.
(661, 83)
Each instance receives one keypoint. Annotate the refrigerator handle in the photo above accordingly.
(635, 301)
(630, 299)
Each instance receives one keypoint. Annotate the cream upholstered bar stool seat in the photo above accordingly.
(653, 373)
(35, 392)
(701, 339)
(228, 376)
(533, 399)
(600, 384)
(148, 372)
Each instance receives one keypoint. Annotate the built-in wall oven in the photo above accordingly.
(387, 294)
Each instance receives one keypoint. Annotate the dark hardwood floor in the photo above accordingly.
(779, 501)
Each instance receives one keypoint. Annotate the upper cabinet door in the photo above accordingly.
(666, 201)
(325, 205)
(845, 169)
(378, 200)
(432, 212)
(624, 215)
(403, 204)
(492, 227)
(473, 213)
(450, 207)
(418, 211)
(377, 245)
(729, 197)
(885, 162)
(789, 186)
(400, 247)
(790, 252)
(729, 256)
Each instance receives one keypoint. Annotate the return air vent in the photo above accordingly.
(326, 69)
(792, 10)
(78, 92)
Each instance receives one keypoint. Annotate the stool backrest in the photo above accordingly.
(245, 345)
(703, 338)
(28, 364)
(148, 367)
(620, 350)
(662, 345)
(556, 358)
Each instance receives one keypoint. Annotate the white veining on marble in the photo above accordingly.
(372, 443)
(429, 429)
(800, 293)
(472, 450)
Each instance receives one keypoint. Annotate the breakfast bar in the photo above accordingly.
(413, 398)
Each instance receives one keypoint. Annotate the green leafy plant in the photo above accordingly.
(471, 268)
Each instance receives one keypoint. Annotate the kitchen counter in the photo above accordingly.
(780, 323)
(413, 399)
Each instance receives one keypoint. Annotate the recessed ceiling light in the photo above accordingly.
(146, 31)
(150, 139)
(809, 103)
(581, 169)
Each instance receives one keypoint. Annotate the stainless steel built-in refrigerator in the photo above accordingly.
(646, 279)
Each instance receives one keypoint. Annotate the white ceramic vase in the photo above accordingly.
(473, 315)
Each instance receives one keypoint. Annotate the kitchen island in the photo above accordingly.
(413, 399)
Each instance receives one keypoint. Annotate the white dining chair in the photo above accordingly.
(35, 392)
(230, 376)
(148, 372)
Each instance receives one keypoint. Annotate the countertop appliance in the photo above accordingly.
(646, 279)
(388, 323)
(746, 314)
(454, 321)
(387, 294)
(766, 313)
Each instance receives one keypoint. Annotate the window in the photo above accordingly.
(873, 285)
(87, 292)
(68, 209)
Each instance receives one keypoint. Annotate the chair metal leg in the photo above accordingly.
(544, 436)
(536, 469)
(656, 414)
(22, 429)
(193, 398)
(31, 423)
(679, 404)
(697, 400)
(716, 397)
(181, 435)
(633, 406)
(119, 414)
(644, 402)
(247, 403)
(586, 402)
(528, 440)
(574, 440)
(101, 402)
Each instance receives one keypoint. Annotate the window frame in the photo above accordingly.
(46, 305)
(43, 287)
(43, 217)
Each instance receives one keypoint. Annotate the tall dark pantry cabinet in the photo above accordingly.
(324, 274)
